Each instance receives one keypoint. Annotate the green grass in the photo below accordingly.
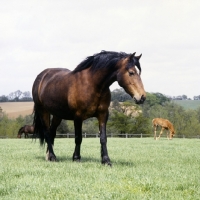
(142, 169)
(188, 104)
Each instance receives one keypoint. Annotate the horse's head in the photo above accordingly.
(128, 77)
(172, 133)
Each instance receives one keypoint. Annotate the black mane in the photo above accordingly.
(100, 60)
(104, 59)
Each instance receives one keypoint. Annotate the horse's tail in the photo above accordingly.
(153, 122)
(38, 131)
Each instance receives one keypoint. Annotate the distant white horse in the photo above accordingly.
(164, 124)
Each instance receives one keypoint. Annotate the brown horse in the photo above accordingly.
(164, 124)
(83, 93)
(26, 130)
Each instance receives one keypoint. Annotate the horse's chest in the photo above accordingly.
(86, 111)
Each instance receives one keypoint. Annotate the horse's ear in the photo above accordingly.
(138, 57)
(132, 56)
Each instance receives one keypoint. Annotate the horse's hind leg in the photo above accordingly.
(78, 139)
(161, 132)
(155, 127)
(103, 139)
(52, 134)
(45, 120)
(54, 125)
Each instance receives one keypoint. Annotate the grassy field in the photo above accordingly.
(14, 109)
(188, 104)
(142, 169)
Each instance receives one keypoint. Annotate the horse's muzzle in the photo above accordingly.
(141, 101)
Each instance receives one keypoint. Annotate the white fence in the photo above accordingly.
(125, 135)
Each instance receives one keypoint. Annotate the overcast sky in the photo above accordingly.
(40, 34)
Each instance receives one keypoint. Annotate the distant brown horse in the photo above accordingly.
(83, 93)
(164, 124)
(26, 130)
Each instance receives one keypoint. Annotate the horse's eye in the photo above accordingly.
(131, 73)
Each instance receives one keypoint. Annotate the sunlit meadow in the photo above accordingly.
(142, 168)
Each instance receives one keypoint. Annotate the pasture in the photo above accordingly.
(15, 109)
(142, 169)
(188, 104)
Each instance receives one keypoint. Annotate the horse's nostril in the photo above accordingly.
(140, 101)
(143, 98)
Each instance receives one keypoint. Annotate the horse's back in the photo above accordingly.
(46, 81)
(162, 122)
(50, 74)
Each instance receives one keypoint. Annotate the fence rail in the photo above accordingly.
(92, 135)
(125, 135)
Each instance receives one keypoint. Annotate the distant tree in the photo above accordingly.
(90, 126)
(120, 95)
(26, 94)
(120, 122)
(17, 95)
(11, 96)
(116, 105)
(161, 98)
(3, 98)
(28, 119)
(14, 96)
(141, 124)
(184, 97)
(63, 128)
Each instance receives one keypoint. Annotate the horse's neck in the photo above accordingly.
(104, 79)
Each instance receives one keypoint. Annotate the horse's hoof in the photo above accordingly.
(76, 158)
(51, 157)
(106, 161)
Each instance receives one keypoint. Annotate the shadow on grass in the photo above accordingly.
(89, 160)
(69, 159)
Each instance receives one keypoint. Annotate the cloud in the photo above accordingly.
(39, 34)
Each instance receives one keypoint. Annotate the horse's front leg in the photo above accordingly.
(155, 132)
(161, 132)
(78, 140)
(52, 134)
(103, 140)
(167, 135)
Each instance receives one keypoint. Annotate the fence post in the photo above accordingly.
(126, 135)
(85, 135)
(141, 135)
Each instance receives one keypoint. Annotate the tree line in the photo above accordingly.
(16, 96)
(125, 117)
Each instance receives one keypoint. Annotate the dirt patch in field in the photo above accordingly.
(15, 109)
